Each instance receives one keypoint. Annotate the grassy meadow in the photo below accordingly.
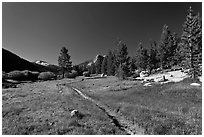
(40, 109)
(172, 108)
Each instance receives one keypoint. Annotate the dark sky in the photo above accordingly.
(39, 30)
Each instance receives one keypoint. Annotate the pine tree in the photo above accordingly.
(192, 43)
(171, 48)
(64, 61)
(98, 65)
(110, 63)
(104, 65)
(163, 47)
(153, 61)
(167, 48)
(142, 57)
(92, 69)
(133, 64)
(174, 57)
(120, 72)
(122, 59)
(78, 70)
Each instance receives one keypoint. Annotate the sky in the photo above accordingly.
(37, 31)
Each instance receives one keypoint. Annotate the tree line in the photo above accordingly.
(172, 50)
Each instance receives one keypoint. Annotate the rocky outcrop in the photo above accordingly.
(97, 58)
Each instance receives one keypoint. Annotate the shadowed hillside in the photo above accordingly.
(11, 62)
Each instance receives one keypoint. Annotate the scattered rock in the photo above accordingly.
(102, 75)
(161, 79)
(158, 69)
(147, 84)
(77, 114)
(195, 84)
(200, 79)
(149, 80)
(139, 79)
(74, 113)
(144, 74)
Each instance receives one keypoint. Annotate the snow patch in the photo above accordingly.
(41, 63)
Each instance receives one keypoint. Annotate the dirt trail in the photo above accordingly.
(120, 121)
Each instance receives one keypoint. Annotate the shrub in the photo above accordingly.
(47, 76)
(28, 75)
(16, 75)
(4, 75)
(22, 75)
(74, 74)
(8, 85)
(86, 74)
(35, 75)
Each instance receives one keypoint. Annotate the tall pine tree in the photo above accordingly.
(98, 64)
(153, 61)
(163, 47)
(122, 60)
(192, 43)
(133, 66)
(142, 57)
(110, 63)
(64, 61)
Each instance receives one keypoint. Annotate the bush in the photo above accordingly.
(16, 75)
(8, 85)
(4, 75)
(86, 74)
(47, 76)
(34, 75)
(23, 75)
(74, 74)
(29, 75)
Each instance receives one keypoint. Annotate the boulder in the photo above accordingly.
(76, 113)
(144, 74)
(103, 75)
(158, 69)
(195, 84)
(147, 84)
(161, 79)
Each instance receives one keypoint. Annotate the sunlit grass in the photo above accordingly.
(40, 110)
(172, 108)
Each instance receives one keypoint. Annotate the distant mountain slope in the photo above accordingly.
(11, 61)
